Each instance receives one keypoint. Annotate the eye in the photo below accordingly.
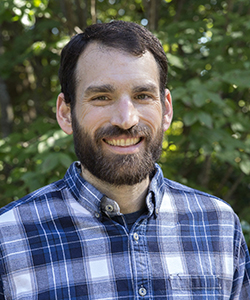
(142, 97)
(101, 98)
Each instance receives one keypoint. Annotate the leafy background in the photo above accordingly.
(208, 47)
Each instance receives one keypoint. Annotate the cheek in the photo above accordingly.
(152, 117)
(91, 118)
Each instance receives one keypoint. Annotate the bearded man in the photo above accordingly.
(114, 227)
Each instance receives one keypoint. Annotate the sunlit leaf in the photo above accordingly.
(245, 166)
(175, 61)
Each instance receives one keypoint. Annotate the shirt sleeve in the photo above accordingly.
(241, 281)
(245, 262)
(1, 281)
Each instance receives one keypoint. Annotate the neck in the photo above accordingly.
(129, 198)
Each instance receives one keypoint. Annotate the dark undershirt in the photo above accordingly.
(130, 218)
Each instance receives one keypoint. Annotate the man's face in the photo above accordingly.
(117, 120)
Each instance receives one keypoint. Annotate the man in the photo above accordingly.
(113, 227)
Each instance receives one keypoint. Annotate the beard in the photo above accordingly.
(117, 169)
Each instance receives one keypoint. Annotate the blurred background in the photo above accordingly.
(208, 48)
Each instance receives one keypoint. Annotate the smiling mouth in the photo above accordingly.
(123, 142)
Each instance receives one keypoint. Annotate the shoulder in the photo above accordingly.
(192, 208)
(190, 199)
(53, 190)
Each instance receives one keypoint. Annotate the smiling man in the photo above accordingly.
(114, 227)
(118, 121)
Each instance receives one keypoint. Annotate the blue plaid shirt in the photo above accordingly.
(61, 242)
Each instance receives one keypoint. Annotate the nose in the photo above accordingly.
(125, 114)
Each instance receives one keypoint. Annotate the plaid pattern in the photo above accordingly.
(57, 244)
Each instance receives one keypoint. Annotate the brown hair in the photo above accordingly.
(126, 36)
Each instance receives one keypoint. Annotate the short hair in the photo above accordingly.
(126, 36)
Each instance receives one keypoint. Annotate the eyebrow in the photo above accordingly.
(149, 87)
(105, 88)
(108, 88)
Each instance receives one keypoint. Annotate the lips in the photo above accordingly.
(123, 142)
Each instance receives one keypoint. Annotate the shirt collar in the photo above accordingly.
(84, 192)
(156, 190)
(93, 200)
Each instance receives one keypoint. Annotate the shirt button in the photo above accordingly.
(142, 291)
(109, 208)
(136, 236)
(97, 215)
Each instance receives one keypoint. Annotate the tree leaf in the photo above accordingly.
(64, 159)
(179, 93)
(190, 118)
(199, 99)
(215, 97)
(50, 162)
(240, 78)
(206, 119)
(175, 61)
(245, 166)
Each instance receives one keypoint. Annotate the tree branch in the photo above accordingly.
(93, 11)
(234, 187)
(7, 115)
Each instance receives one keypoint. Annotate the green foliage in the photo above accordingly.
(246, 230)
(208, 49)
(34, 158)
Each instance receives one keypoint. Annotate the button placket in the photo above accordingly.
(142, 291)
(140, 259)
(136, 236)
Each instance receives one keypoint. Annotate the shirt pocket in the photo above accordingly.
(196, 286)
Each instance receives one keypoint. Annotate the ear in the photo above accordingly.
(168, 113)
(63, 114)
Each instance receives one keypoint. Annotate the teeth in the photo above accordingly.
(123, 142)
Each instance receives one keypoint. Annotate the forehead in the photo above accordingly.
(99, 62)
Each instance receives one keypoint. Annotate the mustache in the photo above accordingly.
(114, 131)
